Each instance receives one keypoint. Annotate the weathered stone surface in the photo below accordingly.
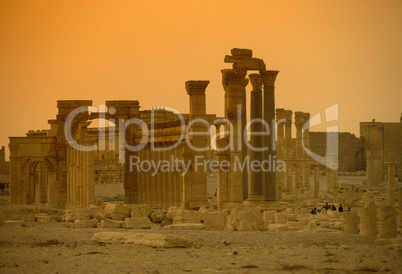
(387, 222)
(116, 212)
(148, 239)
(108, 223)
(211, 220)
(2, 218)
(269, 217)
(186, 226)
(350, 223)
(281, 218)
(72, 214)
(92, 223)
(246, 217)
(95, 212)
(295, 226)
(140, 211)
(157, 215)
(138, 223)
(368, 219)
(173, 211)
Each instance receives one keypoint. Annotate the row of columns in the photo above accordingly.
(160, 189)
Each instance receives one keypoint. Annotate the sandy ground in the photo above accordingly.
(27, 247)
(60, 248)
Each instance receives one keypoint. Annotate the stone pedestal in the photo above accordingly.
(350, 223)
(368, 219)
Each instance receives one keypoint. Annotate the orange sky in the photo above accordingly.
(346, 52)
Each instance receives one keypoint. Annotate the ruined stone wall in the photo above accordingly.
(4, 167)
(350, 149)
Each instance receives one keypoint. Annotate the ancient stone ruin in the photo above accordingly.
(61, 166)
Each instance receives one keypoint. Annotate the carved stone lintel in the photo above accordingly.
(256, 81)
(269, 77)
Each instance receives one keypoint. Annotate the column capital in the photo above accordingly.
(269, 77)
(280, 114)
(299, 119)
(256, 81)
(196, 86)
(234, 76)
(306, 117)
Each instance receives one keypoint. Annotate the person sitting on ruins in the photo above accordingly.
(326, 207)
(333, 208)
(314, 211)
(340, 208)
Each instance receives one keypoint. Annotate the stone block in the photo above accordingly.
(116, 212)
(92, 223)
(95, 212)
(387, 222)
(350, 223)
(43, 218)
(157, 215)
(138, 223)
(294, 226)
(243, 62)
(174, 211)
(108, 223)
(72, 214)
(241, 52)
(246, 217)
(281, 218)
(148, 239)
(268, 217)
(186, 226)
(140, 211)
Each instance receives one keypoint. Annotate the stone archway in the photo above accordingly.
(28, 180)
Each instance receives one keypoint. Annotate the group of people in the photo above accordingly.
(328, 207)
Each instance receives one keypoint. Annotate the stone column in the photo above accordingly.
(198, 189)
(298, 183)
(316, 181)
(256, 141)
(288, 148)
(387, 225)
(299, 122)
(281, 150)
(268, 78)
(391, 183)
(91, 178)
(329, 178)
(368, 219)
(234, 82)
(335, 186)
(306, 143)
